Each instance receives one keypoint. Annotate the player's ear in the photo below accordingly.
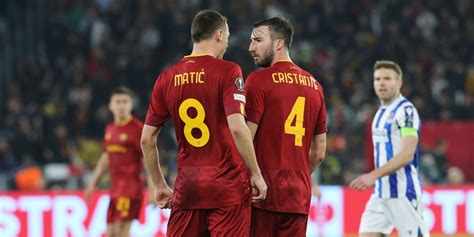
(219, 35)
(279, 44)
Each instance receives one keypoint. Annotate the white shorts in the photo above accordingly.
(381, 215)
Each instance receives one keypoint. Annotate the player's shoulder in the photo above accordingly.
(406, 108)
(226, 65)
(406, 103)
(137, 122)
(109, 125)
(261, 72)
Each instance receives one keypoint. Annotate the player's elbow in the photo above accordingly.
(409, 157)
(317, 157)
(236, 131)
(147, 142)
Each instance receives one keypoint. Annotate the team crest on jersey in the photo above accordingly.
(239, 84)
(123, 137)
(107, 136)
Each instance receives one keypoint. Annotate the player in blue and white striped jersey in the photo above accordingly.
(396, 199)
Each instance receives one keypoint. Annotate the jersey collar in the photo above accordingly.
(196, 55)
(125, 122)
(394, 102)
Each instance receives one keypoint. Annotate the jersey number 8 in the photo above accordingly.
(196, 122)
(296, 113)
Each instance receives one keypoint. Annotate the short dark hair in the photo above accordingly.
(279, 27)
(389, 65)
(205, 23)
(122, 90)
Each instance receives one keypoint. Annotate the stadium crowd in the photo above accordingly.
(61, 59)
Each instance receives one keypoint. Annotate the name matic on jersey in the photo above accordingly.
(189, 78)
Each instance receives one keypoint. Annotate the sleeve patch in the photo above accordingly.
(239, 84)
(409, 114)
(239, 97)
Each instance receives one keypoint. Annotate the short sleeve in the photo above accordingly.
(233, 87)
(321, 126)
(407, 117)
(157, 114)
(255, 98)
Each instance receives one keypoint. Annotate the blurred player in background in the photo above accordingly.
(123, 158)
(203, 95)
(396, 200)
(287, 117)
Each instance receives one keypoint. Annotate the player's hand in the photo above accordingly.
(363, 182)
(149, 198)
(88, 192)
(163, 196)
(317, 192)
(259, 188)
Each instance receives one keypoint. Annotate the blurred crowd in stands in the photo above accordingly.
(60, 59)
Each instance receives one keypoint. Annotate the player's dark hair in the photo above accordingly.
(121, 90)
(389, 65)
(205, 23)
(279, 27)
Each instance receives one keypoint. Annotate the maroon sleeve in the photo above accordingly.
(157, 113)
(233, 87)
(321, 126)
(255, 98)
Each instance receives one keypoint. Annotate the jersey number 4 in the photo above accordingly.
(296, 113)
(194, 123)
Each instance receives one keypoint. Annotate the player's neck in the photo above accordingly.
(281, 56)
(122, 120)
(204, 48)
(389, 101)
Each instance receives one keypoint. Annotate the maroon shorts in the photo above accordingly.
(219, 222)
(123, 209)
(274, 224)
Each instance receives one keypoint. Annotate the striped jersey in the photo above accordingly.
(386, 137)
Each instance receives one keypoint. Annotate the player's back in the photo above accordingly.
(288, 104)
(198, 93)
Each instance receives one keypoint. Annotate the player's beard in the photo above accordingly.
(267, 59)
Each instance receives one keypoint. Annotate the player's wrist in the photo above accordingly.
(256, 173)
(375, 174)
(161, 185)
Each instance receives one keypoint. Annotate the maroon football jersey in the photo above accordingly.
(288, 105)
(122, 144)
(197, 94)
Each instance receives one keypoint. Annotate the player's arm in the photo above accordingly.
(404, 157)
(243, 140)
(151, 158)
(317, 151)
(99, 171)
(149, 184)
(409, 141)
(253, 127)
